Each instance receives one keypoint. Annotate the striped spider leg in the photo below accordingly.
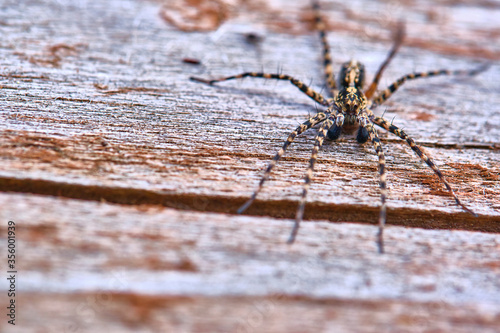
(327, 58)
(349, 111)
(418, 151)
(385, 94)
(299, 84)
(318, 118)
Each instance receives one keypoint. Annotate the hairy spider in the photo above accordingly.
(349, 110)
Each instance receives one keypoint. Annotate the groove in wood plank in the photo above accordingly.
(428, 219)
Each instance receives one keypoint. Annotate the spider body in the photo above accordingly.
(348, 110)
(349, 102)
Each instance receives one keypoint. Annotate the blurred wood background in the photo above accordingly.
(123, 177)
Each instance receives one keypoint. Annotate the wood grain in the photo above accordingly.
(89, 265)
(97, 107)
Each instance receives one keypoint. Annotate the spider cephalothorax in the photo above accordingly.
(350, 102)
(348, 110)
(352, 74)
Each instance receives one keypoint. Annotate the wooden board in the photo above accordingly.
(97, 105)
(87, 266)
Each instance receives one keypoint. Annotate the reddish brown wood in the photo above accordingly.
(149, 168)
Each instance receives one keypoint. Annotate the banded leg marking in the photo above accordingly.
(400, 33)
(383, 187)
(304, 88)
(319, 117)
(399, 132)
(320, 137)
(384, 95)
(327, 58)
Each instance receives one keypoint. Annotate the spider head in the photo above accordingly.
(350, 101)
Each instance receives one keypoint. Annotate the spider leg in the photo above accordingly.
(384, 95)
(327, 58)
(319, 117)
(383, 187)
(320, 137)
(399, 132)
(398, 40)
(304, 88)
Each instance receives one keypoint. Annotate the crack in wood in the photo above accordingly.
(279, 208)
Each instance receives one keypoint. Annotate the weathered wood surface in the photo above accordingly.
(97, 105)
(90, 266)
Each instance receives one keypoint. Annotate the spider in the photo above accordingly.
(349, 110)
